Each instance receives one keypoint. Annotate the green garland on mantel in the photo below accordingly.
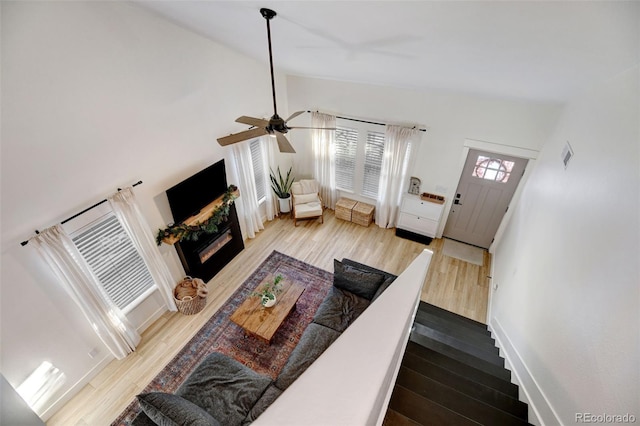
(184, 232)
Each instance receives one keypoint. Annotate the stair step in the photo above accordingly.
(461, 356)
(424, 411)
(465, 385)
(501, 384)
(393, 418)
(454, 400)
(452, 316)
(463, 332)
(488, 353)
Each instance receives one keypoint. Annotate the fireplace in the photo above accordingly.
(207, 256)
(214, 246)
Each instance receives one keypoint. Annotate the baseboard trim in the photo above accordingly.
(152, 318)
(540, 410)
(73, 390)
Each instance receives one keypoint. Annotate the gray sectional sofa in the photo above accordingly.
(222, 391)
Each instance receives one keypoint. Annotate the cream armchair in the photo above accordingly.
(307, 203)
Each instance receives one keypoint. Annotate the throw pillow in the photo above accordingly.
(166, 409)
(339, 309)
(385, 284)
(357, 281)
(224, 387)
(305, 198)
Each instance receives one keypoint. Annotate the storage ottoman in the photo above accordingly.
(344, 206)
(362, 213)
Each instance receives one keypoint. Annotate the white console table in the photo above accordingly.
(419, 216)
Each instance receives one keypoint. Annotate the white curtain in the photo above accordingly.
(393, 175)
(324, 157)
(269, 147)
(247, 204)
(126, 209)
(111, 325)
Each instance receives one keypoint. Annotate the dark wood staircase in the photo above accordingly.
(452, 374)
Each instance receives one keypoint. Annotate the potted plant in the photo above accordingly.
(268, 292)
(281, 187)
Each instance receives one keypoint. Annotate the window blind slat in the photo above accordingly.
(374, 153)
(116, 263)
(346, 146)
(117, 271)
(114, 252)
(100, 228)
(258, 168)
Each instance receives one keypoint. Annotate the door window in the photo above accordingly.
(493, 169)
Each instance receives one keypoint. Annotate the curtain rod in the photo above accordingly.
(24, 243)
(368, 122)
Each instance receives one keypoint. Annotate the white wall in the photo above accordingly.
(95, 96)
(566, 311)
(14, 410)
(450, 118)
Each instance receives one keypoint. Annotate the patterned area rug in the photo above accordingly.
(219, 334)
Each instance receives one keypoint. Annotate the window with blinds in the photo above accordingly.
(346, 148)
(373, 154)
(110, 253)
(258, 169)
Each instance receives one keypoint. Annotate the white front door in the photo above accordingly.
(484, 192)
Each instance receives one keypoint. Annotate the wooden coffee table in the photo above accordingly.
(261, 322)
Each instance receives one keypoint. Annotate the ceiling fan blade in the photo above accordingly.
(283, 143)
(294, 115)
(242, 136)
(251, 121)
(316, 128)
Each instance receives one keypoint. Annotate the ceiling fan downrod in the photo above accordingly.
(269, 14)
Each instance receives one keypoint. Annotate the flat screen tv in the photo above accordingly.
(192, 194)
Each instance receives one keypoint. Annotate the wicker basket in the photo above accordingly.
(343, 208)
(362, 214)
(186, 296)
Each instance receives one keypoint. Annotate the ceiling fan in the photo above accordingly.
(275, 126)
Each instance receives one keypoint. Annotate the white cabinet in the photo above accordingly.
(419, 216)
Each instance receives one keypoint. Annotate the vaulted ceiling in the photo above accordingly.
(532, 50)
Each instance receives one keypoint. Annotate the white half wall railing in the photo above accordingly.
(352, 381)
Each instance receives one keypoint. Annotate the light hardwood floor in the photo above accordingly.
(451, 284)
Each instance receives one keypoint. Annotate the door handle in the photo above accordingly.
(457, 202)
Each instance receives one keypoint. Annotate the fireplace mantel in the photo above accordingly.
(202, 216)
